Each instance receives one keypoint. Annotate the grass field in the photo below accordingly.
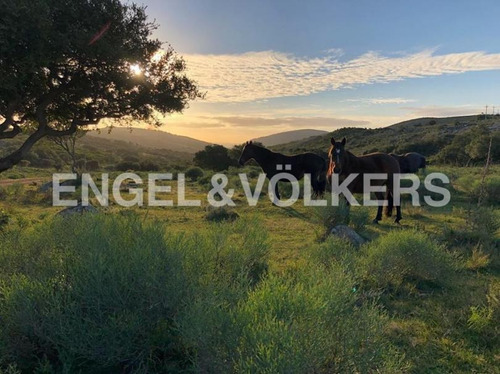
(268, 292)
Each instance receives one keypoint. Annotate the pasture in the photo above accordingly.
(180, 289)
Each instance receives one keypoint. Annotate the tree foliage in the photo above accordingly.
(215, 157)
(70, 64)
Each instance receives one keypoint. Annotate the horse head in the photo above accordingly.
(336, 156)
(247, 153)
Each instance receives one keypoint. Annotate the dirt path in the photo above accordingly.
(8, 182)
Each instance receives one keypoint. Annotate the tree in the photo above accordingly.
(69, 64)
(68, 144)
(215, 157)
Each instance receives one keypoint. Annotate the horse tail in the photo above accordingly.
(321, 179)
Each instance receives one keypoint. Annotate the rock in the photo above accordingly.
(345, 232)
(45, 187)
(79, 209)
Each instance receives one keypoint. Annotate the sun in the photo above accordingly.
(135, 69)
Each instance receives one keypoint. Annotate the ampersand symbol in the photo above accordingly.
(218, 189)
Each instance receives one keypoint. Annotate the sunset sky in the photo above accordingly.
(274, 65)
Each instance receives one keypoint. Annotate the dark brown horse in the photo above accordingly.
(344, 163)
(410, 162)
(273, 163)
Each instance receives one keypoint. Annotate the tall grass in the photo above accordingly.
(113, 294)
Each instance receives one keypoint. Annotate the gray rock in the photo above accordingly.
(345, 232)
(79, 209)
(45, 187)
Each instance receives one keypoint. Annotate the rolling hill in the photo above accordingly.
(288, 136)
(424, 135)
(151, 139)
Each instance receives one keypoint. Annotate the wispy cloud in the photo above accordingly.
(289, 122)
(442, 111)
(382, 100)
(262, 75)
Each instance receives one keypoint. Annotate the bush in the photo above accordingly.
(102, 293)
(194, 173)
(306, 322)
(359, 218)
(405, 259)
(330, 216)
(221, 214)
(4, 218)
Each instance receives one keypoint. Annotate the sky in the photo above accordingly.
(269, 66)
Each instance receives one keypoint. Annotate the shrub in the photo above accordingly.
(99, 293)
(305, 322)
(330, 216)
(221, 214)
(405, 259)
(359, 218)
(4, 218)
(194, 173)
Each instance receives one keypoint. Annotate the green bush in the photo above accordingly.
(330, 216)
(194, 173)
(405, 259)
(103, 293)
(359, 218)
(4, 218)
(306, 322)
(221, 214)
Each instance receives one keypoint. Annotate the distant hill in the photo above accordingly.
(424, 135)
(151, 139)
(288, 136)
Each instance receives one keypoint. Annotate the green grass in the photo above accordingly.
(260, 289)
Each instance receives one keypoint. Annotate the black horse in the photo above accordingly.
(273, 163)
(410, 162)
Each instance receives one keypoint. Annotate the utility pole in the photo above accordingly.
(486, 112)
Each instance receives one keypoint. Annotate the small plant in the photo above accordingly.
(359, 218)
(478, 259)
(480, 318)
(330, 216)
(4, 218)
(221, 214)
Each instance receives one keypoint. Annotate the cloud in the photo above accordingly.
(262, 75)
(289, 122)
(442, 111)
(260, 123)
(387, 100)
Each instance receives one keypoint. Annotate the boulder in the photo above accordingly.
(345, 232)
(79, 209)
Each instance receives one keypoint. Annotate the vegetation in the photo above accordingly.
(458, 141)
(214, 157)
(139, 290)
(78, 70)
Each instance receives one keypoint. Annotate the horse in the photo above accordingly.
(273, 163)
(344, 163)
(410, 162)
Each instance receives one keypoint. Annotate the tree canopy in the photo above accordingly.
(66, 64)
(215, 157)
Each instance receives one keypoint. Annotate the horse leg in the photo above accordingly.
(276, 192)
(398, 214)
(380, 197)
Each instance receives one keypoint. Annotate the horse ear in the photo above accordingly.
(250, 142)
(344, 140)
(332, 140)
